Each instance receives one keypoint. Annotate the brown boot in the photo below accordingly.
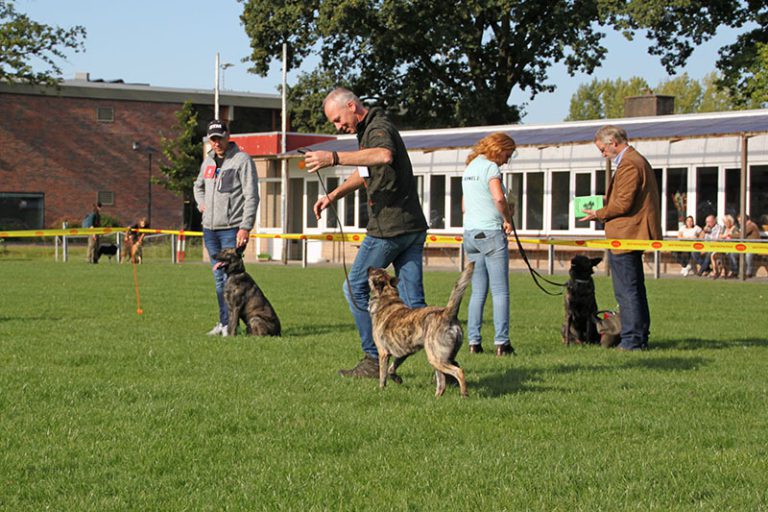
(368, 367)
(505, 350)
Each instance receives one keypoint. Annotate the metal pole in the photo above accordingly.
(149, 189)
(174, 249)
(743, 200)
(283, 161)
(304, 253)
(606, 253)
(550, 258)
(216, 89)
(64, 245)
(656, 265)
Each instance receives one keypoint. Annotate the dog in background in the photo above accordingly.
(244, 298)
(106, 250)
(580, 304)
(400, 331)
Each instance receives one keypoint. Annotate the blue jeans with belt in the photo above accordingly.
(215, 240)
(404, 252)
(490, 252)
(629, 288)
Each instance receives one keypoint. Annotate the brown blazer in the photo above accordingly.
(633, 208)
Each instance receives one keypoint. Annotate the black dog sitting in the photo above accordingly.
(244, 298)
(580, 304)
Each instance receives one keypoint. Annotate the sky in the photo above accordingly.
(173, 43)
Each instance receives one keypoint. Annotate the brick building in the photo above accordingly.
(68, 147)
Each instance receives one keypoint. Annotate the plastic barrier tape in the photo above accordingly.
(674, 245)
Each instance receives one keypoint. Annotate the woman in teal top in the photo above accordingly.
(487, 222)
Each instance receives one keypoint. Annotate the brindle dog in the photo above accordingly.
(400, 331)
(244, 298)
(580, 304)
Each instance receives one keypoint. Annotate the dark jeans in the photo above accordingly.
(703, 260)
(629, 289)
(215, 241)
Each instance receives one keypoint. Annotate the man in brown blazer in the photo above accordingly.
(632, 211)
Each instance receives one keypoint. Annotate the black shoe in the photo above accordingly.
(476, 349)
(505, 350)
(368, 367)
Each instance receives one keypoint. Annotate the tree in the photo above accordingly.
(605, 99)
(431, 63)
(601, 99)
(184, 154)
(752, 89)
(678, 26)
(23, 41)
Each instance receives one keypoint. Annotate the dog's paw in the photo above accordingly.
(395, 378)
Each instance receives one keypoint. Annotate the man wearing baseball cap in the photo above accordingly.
(227, 194)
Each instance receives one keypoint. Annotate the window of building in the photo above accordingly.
(437, 201)
(732, 194)
(677, 198)
(349, 210)
(331, 221)
(105, 114)
(706, 193)
(106, 198)
(20, 211)
(534, 194)
(560, 199)
(758, 195)
(457, 217)
(313, 188)
(515, 197)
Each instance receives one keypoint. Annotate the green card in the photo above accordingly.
(581, 203)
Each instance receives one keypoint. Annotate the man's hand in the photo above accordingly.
(242, 237)
(316, 160)
(321, 204)
(590, 216)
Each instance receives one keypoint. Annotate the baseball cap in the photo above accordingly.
(217, 128)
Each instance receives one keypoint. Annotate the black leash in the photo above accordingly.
(534, 273)
(343, 251)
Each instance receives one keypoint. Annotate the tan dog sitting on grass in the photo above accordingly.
(400, 331)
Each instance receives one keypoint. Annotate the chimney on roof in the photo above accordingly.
(649, 105)
(83, 76)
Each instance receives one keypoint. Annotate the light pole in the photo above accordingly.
(147, 150)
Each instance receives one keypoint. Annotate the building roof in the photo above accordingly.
(670, 127)
(118, 90)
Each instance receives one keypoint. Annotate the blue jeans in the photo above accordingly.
(405, 253)
(629, 289)
(491, 257)
(215, 240)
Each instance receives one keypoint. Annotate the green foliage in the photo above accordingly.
(751, 90)
(25, 43)
(677, 27)
(457, 69)
(183, 154)
(103, 409)
(600, 99)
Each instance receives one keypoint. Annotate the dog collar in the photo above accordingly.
(581, 280)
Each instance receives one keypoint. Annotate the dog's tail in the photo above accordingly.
(454, 301)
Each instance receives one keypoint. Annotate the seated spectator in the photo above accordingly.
(711, 232)
(134, 241)
(751, 232)
(689, 231)
(726, 265)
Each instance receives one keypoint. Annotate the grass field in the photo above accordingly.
(102, 409)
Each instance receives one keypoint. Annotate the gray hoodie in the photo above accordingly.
(229, 195)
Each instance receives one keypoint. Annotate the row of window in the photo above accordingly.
(542, 202)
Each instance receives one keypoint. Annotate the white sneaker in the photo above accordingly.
(685, 271)
(218, 330)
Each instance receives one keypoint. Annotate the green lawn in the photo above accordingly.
(102, 409)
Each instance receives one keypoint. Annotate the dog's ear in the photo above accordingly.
(595, 261)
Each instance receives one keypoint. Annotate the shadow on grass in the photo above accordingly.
(526, 380)
(315, 329)
(698, 343)
(30, 318)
